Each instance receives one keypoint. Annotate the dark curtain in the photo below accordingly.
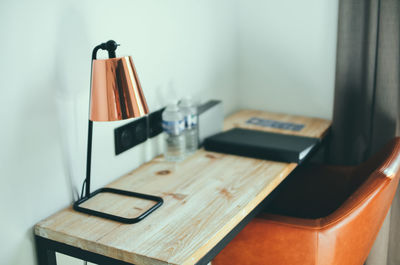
(366, 107)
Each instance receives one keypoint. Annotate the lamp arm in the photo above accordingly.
(110, 46)
(94, 52)
(88, 158)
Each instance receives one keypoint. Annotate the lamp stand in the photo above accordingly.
(110, 46)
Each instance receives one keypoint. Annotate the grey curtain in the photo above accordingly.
(367, 98)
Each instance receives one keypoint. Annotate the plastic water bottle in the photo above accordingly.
(189, 111)
(174, 126)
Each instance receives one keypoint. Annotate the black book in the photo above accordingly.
(264, 145)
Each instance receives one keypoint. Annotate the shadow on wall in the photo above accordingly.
(72, 71)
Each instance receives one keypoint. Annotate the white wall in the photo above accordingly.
(278, 54)
(179, 47)
(287, 52)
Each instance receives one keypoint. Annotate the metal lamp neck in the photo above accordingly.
(110, 46)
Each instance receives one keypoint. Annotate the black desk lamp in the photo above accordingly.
(115, 95)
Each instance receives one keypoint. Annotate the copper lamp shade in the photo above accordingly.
(116, 93)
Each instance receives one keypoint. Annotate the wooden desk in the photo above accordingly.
(207, 199)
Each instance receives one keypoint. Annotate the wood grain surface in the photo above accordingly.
(205, 197)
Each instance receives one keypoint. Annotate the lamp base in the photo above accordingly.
(159, 201)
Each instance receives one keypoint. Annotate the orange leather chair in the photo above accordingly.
(324, 215)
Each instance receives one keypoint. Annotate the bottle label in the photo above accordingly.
(190, 121)
(173, 127)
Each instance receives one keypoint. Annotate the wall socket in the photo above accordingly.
(155, 123)
(130, 135)
(138, 131)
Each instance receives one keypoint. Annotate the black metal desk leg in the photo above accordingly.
(45, 256)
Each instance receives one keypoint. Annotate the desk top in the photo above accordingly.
(205, 197)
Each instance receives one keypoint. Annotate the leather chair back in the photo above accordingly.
(346, 236)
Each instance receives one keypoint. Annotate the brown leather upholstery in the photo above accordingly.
(324, 216)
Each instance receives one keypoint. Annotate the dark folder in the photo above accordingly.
(264, 145)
